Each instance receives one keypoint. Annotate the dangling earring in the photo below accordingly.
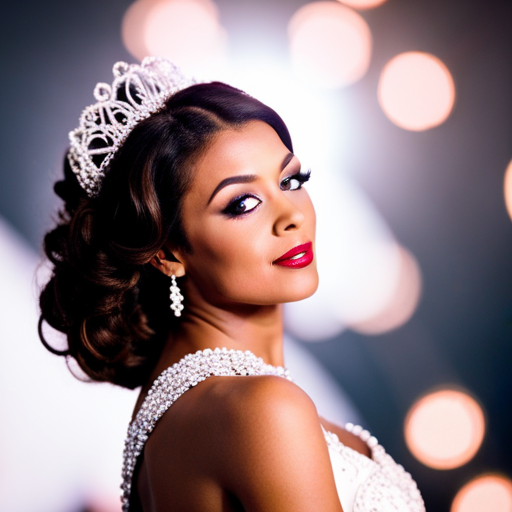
(176, 297)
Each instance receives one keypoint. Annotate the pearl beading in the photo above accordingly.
(386, 485)
(171, 384)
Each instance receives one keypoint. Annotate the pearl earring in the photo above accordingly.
(176, 297)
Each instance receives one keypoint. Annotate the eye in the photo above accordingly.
(295, 181)
(242, 205)
(290, 183)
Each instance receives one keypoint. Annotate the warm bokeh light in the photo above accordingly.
(445, 429)
(131, 27)
(508, 188)
(362, 4)
(103, 503)
(416, 91)
(186, 31)
(487, 492)
(402, 304)
(330, 44)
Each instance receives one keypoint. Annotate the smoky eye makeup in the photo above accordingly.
(246, 203)
(241, 205)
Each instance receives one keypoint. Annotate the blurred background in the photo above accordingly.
(403, 111)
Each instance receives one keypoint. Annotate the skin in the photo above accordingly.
(240, 443)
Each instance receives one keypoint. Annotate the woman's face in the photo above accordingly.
(246, 208)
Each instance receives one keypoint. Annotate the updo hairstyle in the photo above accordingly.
(104, 295)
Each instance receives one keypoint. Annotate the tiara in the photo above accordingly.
(136, 92)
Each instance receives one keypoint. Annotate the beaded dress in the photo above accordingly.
(376, 484)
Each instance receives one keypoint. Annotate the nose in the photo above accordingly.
(289, 217)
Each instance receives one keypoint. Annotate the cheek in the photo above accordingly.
(231, 255)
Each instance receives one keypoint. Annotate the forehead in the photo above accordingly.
(253, 148)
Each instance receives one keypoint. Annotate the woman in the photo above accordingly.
(195, 187)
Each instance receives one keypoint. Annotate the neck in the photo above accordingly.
(240, 327)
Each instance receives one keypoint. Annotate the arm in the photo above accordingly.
(274, 455)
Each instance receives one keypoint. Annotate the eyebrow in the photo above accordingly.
(245, 178)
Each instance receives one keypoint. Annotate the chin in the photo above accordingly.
(305, 292)
(301, 287)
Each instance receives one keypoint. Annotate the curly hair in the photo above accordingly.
(104, 295)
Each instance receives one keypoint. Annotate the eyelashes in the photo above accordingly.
(295, 181)
(248, 202)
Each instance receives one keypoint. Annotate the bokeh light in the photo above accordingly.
(416, 91)
(330, 44)
(486, 492)
(445, 429)
(508, 189)
(186, 31)
(131, 27)
(362, 4)
(402, 304)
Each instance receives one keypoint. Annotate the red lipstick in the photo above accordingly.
(299, 257)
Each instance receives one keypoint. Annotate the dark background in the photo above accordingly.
(441, 191)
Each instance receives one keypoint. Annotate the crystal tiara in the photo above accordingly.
(136, 92)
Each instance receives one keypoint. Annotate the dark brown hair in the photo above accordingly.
(104, 295)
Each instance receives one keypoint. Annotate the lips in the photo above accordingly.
(299, 257)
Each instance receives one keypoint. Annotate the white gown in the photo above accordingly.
(376, 484)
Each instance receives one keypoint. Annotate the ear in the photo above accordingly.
(166, 265)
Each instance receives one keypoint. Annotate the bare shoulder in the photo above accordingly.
(261, 408)
(240, 409)
(272, 452)
(268, 397)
